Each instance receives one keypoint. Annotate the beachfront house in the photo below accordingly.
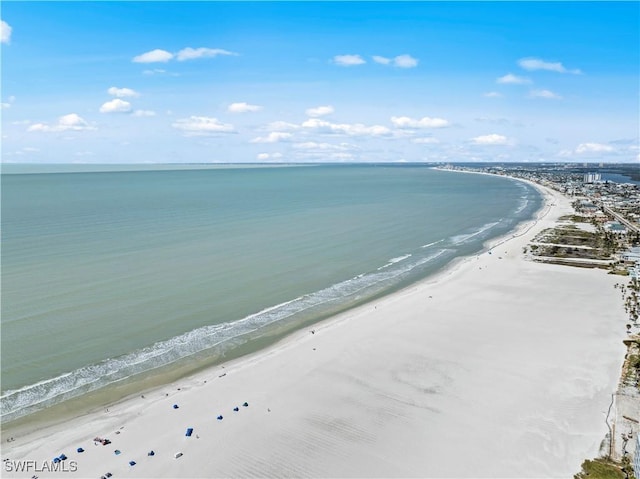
(631, 256)
(615, 227)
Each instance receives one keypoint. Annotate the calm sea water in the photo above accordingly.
(108, 275)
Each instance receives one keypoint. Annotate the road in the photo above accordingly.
(621, 219)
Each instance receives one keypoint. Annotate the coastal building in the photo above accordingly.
(587, 207)
(631, 256)
(592, 178)
(615, 227)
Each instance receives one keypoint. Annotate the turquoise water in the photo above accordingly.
(106, 275)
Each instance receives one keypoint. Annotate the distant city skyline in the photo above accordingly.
(208, 82)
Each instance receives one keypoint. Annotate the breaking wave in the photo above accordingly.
(464, 238)
(16, 403)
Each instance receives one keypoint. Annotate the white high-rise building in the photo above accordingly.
(592, 177)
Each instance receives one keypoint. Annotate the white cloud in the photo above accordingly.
(122, 92)
(30, 149)
(355, 129)
(5, 32)
(426, 122)
(243, 107)
(401, 61)
(188, 53)
(273, 137)
(533, 64)
(154, 56)
(593, 148)
(115, 106)
(72, 121)
(6, 105)
(269, 156)
(493, 94)
(492, 139)
(319, 111)
(155, 71)
(381, 60)
(511, 79)
(544, 94)
(193, 53)
(348, 60)
(202, 126)
(144, 113)
(312, 145)
(282, 125)
(405, 61)
(425, 141)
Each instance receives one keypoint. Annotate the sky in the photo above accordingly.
(221, 82)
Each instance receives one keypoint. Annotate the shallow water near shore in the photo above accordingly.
(116, 281)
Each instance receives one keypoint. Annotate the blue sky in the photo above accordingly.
(146, 82)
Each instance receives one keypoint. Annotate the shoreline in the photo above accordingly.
(292, 355)
(128, 387)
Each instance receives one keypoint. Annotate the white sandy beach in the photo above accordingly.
(498, 367)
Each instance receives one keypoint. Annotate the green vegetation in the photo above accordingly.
(575, 219)
(571, 242)
(634, 362)
(631, 298)
(631, 370)
(632, 303)
(602, 468)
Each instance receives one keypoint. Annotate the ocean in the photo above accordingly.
(114, 275)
